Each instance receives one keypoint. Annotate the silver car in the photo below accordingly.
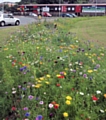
(8, 19)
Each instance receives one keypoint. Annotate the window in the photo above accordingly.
(5, 16)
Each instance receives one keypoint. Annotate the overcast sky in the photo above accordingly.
(9, 1)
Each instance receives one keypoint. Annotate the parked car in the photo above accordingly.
(46, 14)
(67, 15)
(8, 19)
(32, 14)
(74, 15)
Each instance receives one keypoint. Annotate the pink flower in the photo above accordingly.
(41, 102)
(25, 108)
(50, 105)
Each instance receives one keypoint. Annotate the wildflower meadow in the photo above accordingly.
(47, 73)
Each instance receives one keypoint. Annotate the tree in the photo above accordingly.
(52, 1)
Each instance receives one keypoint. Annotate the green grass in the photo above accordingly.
(5, 33)
(93, 29)
(86, 28)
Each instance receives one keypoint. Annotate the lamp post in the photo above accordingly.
(59, 8)
(96, 8)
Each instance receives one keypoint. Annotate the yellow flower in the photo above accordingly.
(69, 98)
(47, 83)
(89, 57)
(93, 54)
(23, 64)
(37, 47)
(41, 62)
(39, 81)
(93, 61)
(65, 114)
(72, 46)
(38, 85)
(65, 72)
(36, 79)
(41, 78)
(90, 71)
(5, 48)
(68, 102)
(102, 54)
(58, 75)
(48, 76)
(86, 54)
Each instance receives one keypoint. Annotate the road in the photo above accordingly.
(28, 20)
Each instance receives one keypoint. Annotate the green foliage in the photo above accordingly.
(52, 1)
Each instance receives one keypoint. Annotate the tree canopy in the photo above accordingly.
(52, 1)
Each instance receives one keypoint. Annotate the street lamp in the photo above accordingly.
(59, 7)
(96, 8)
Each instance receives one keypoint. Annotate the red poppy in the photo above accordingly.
(61, 76)
(15, 61)
(94, 98)
(13, 108)
(58, 85)
(56, 106)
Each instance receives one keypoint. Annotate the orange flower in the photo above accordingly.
(20, 63)
(105, 95)
(53, 102)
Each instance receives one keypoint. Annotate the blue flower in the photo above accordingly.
(39, 117)
(23, 68)
(27, 114)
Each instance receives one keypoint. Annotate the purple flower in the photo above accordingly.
(74, 70)
(83, 50)
(84, 75)
(30, 97)
(23, 88)
(27, 114)
(41, 57)
(61, 73)
(23, 68)
(51, 115)
(97, 66)
(37, 98)
(19, 86)
(25, 108)
(60, 50)
(39, 117)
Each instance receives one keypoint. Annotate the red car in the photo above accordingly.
(46, 14)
